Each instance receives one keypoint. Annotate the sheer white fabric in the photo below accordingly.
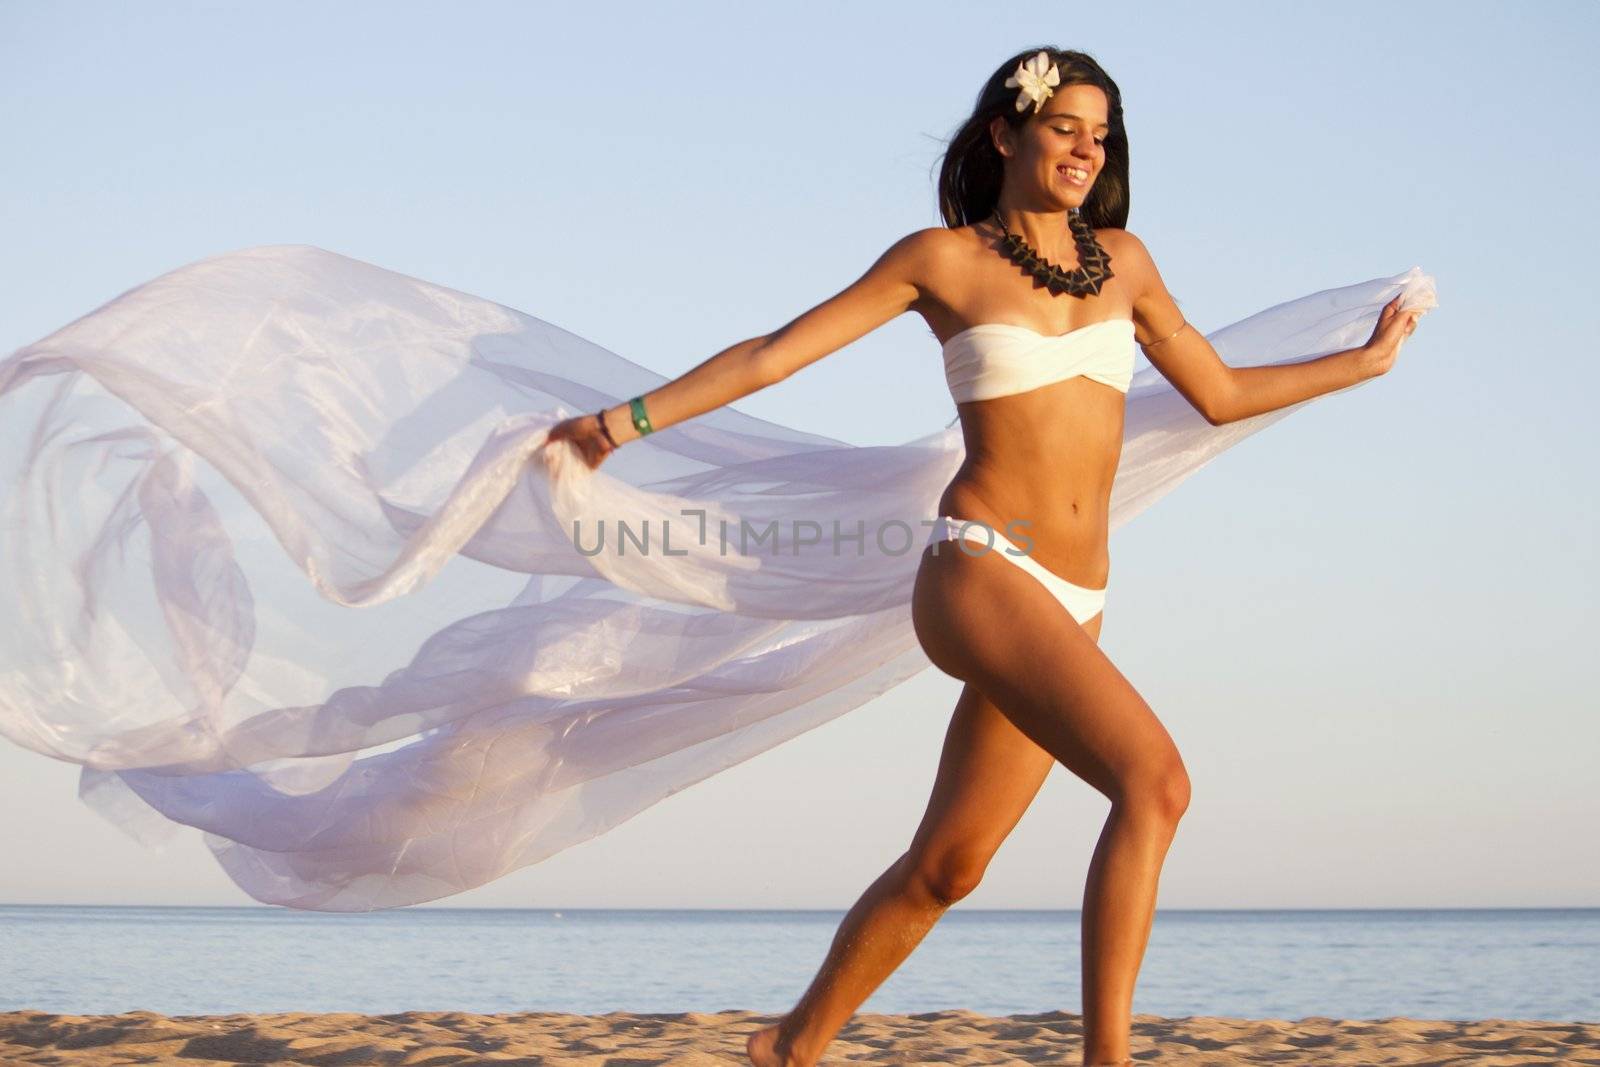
(285, 559)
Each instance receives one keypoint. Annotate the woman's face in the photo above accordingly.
(1055, 156)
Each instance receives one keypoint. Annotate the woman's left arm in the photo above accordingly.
(1226, 394)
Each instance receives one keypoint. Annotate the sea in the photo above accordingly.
(1279, 964)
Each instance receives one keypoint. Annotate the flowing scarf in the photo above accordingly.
(286, 558)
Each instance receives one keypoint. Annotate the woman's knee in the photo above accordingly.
(947, 875)
(1175, 791)
(1163, 790)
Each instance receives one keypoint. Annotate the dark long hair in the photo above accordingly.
(969, 179)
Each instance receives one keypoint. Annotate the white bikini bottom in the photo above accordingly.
(1081, 602)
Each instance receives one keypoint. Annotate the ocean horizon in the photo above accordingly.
(1356, 963)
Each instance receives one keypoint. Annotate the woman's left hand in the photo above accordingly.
(1394, 326)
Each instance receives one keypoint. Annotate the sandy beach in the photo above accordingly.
(689, 1039)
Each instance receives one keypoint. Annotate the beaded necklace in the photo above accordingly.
(1094, 263)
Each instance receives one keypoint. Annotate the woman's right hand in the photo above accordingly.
(585, 434)
(1394, 326)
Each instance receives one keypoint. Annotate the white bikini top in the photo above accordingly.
(998, 359)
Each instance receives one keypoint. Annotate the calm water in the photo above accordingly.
(1467, 964)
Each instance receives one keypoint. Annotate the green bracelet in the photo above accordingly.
(641, 421)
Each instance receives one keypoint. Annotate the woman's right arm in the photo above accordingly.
(892, 285)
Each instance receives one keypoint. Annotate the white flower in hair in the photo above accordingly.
(1034, 77)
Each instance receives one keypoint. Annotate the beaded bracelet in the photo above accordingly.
(605, 430)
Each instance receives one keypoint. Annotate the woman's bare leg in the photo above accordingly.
(989, 772)
(1085, 713)
(1119, 906)
(1082, 712)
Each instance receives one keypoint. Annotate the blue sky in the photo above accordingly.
(1370, 628)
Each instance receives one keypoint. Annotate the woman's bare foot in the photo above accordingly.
(763, 1049)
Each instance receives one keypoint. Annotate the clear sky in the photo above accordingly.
(1370, 628)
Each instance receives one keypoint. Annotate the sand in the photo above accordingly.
(691, 1039)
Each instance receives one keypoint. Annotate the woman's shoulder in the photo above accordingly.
(1115, 239)
(936, 240)
(926, 254)
(1113, 235)
(942, 246)
(1129, 254)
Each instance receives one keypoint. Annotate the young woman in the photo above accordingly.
(1038, 294)
(276, 566)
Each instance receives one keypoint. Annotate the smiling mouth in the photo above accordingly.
(1075, 175)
